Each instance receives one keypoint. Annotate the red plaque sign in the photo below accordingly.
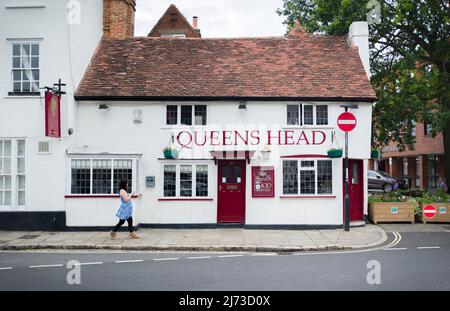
(52, 115)
(263, 181)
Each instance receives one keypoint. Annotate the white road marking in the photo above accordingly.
(129, 261)
(6, 268)
(265, 254)
(201, 257)
(163, 259)
(428, 247)
(395, 249)
(46, 266)
(88, 263)
(229, 256)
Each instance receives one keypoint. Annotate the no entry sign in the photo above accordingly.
(429, 211)
(346, 121)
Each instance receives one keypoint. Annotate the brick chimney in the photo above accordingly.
(118, 18)
(195, 22)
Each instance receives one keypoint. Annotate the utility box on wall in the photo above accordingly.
(150, 181)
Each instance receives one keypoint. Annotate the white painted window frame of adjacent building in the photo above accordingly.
(10, 78)
(193, 164)
(110, 157)
(14, 173)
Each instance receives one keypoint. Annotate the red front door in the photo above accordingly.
(355, 189)
(231, 191)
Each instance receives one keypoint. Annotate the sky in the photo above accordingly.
(217, 18)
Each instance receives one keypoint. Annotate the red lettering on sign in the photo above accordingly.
(215, 138)
(303, 137)
(238, 135)
(255, 135)
(185, 145)
(314, 137)
(269, 137)
(196, 140)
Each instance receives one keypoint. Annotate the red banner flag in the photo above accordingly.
(52, 115)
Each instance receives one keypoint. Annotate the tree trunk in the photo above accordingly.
(446, 135)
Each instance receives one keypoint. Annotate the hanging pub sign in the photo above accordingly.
(263, 178)
(52, 115)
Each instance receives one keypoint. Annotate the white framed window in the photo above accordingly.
(12, 173)
(307, 177)
(186, 115)
(186, 180)
(306, 114)
(25, 68)
(101, 176)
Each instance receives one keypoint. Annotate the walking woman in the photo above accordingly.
(125, 211)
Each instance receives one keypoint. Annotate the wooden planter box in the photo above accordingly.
(391, 212)
(442, 213)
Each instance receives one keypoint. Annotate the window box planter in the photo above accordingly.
(442, 213)
(334, 153)
(170, 153)
(391, 212)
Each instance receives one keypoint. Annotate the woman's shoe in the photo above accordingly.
(133, 235)
(112, 234)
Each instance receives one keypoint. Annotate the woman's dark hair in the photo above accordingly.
(123, 184)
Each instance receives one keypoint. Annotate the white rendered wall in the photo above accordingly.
(23, 117)
(114, 132)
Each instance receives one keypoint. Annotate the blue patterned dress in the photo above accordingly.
(125, 210)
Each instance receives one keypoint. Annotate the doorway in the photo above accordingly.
(231, 191)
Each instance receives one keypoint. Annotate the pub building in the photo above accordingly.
(215, 131)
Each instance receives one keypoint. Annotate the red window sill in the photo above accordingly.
(95, 196)
(307, 197)
(185, 199)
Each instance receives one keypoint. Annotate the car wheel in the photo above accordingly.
(387, 188)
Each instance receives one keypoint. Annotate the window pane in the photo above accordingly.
(7, 198)
(16, 62)
(25, 62)
(21, 198)
(307, 114)
(290, 177)
(35, 62)
(237, 174)
(355, 174)
(200, 115)
(292, 114)
(226, 175)
(307, 182)
(81, 177)
(7, 182)
(26, 86)
(324, 177)
(123, 170)
(35, 86)
(17, 75)
(186, 115)
(171, 114)
(7, 165)
(185, 180)
(7, 148)
(26, 75)
(20, 165)
(17, 87)
(101, 176)
(35, 49)
(1, 181)
(20, 148)
(169, 180)
(35, 75)
(201, 180)
(322, 115)
(21, 182)
(16, 49)
(307, 164)
(26, 49)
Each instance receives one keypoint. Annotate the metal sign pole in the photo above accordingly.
(347, 199)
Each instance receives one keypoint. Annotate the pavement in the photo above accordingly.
(221, 239)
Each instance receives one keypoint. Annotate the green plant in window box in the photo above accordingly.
(170, 152)
(334, 153)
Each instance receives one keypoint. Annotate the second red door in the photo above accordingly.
(231, 191)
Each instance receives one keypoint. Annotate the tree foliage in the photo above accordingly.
(410, 59)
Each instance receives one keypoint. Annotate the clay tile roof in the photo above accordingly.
(295, 66)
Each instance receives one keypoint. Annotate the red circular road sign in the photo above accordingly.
(346, 121)
(429, 211)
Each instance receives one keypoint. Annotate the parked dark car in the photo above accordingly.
(379, 180)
